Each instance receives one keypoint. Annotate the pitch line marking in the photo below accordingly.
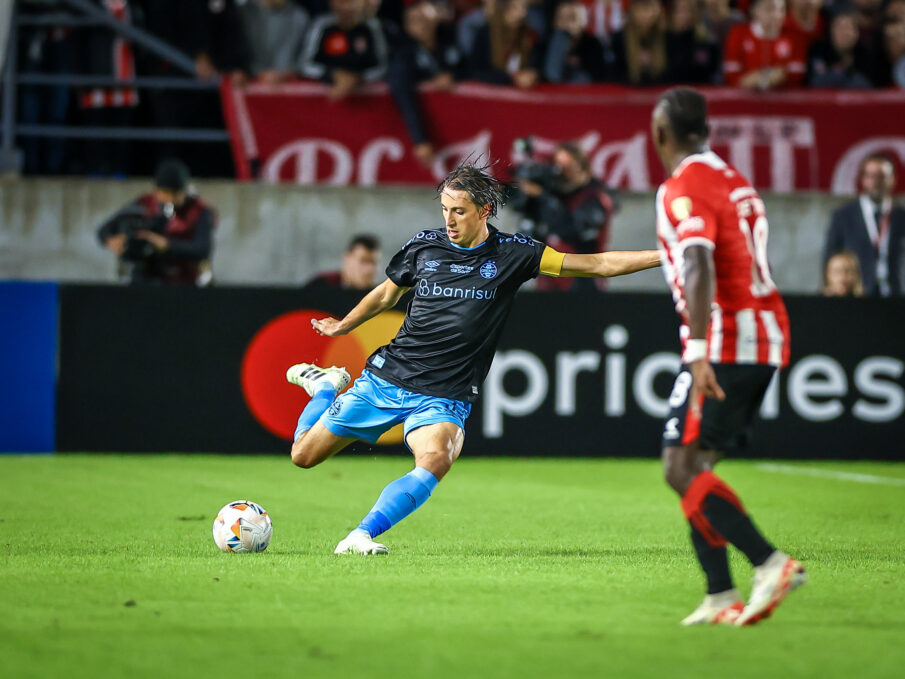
(830, 474)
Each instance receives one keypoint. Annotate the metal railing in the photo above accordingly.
(90, 15)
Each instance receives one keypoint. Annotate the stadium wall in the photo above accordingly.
(282, 235)
(189, 370)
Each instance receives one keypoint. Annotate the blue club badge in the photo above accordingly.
(488, 269)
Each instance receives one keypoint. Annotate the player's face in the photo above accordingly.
(466, 223)
(659, 126)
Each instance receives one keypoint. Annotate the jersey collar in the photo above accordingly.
(491, 232)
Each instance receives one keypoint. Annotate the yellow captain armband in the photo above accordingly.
(551, 262)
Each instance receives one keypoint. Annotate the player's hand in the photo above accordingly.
(328, 327)
(703, 382)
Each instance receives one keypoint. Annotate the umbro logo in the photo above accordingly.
(432, 266)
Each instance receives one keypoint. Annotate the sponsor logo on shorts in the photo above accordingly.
(488, 269)
(378, 361)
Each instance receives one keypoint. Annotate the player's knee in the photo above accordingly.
(301, 456)
(675, 469)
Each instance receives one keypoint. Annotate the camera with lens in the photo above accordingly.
(531, 166)
(134, 219)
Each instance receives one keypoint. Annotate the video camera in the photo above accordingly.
(532, 167)
(133, 219)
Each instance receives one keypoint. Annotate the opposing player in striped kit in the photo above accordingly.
(712, 233)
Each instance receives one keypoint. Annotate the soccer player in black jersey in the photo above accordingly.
(465, 277)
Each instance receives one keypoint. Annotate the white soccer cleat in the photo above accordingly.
(359, 542)
(717, 609)
(773, 580)
(311, 377)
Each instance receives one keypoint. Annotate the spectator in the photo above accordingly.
(719, 18)
(759, 55)
(639, 50)
(573, 55)
(605, 17)
(274, 31)
(105, 53)
(841, 61)
(870, 14)
(470, 24)
(694, 57)
(805, 20)
(164, 237)
(894, 11)
(570, 210)
(358, 270)
(505, 49)
(49, 50)
(842, 276)
(427, 53)
(873, 228)
(345, 48)
(894, 53)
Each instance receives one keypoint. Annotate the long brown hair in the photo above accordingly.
(635, 44)
(506, 40)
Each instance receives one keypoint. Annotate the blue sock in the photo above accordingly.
(315, 408)
(398, 500)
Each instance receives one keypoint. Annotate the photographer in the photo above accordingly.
(166, 236)
(563, 205)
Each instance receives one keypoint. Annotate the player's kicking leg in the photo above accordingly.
(435, 447)
(313, 443)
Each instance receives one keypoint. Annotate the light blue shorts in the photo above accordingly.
(373, 405)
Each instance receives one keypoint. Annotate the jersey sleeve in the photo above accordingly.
(692, 213)
(402, 268)
(531, 252)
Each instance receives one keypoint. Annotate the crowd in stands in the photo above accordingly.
(753, 44)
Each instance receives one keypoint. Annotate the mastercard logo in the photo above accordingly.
(290, 339)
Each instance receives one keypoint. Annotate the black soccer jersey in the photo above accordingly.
(453, 323)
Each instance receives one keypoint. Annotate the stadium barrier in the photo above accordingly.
(190, 370)
(285, 234)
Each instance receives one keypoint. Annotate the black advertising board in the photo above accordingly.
(188, 370)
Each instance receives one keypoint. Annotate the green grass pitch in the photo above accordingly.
(515, 568)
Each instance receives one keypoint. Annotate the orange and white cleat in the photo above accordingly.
(773, 580)
(717, 609)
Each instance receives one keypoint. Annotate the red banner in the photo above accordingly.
(784, 142)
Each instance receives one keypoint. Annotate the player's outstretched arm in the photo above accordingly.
(381, 298)
(608, 264)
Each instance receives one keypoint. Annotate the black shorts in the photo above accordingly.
(724, 426)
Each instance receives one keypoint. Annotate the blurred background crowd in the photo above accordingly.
(759, 45)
